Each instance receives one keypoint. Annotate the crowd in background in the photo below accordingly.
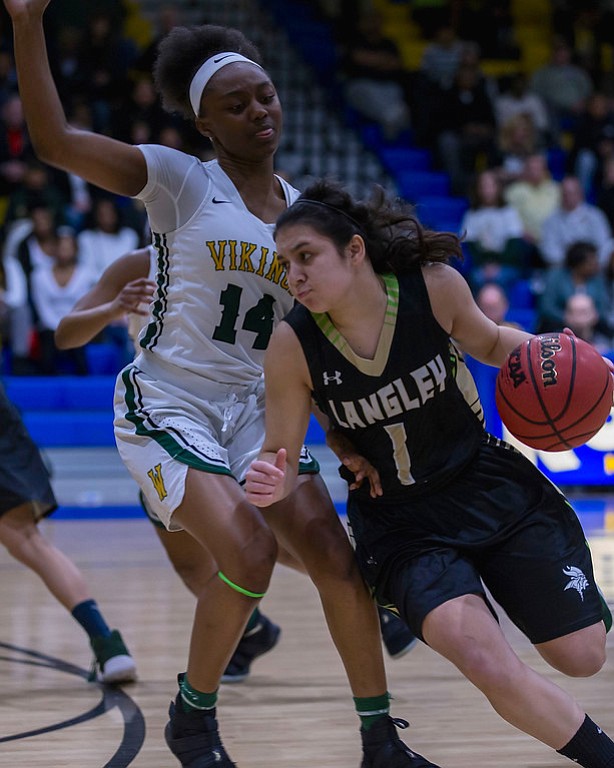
(532, 152)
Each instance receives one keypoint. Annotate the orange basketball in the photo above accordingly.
(554, 392)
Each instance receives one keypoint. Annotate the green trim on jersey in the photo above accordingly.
(159, 305)
(374, 367)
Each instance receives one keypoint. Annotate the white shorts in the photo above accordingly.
(161, 430)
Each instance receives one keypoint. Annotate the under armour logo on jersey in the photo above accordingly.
(327, 378)
(577, 580)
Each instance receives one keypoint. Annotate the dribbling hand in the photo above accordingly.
(264, 481)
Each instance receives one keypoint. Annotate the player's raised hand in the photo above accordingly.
(17, 8)
(264, 481)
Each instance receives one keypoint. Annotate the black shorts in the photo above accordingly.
(500, 523)
(23, 474)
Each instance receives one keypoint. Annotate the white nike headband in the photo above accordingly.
(206, 71)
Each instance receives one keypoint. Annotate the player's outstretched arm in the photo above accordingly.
(105, 162)
(123, 287)
(288, 410)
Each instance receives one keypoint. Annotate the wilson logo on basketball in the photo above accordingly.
(514, 368)
(548, 347)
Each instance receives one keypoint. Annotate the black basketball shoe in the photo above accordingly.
(382, 747)
(194, 739)
(398, 638)
(262, 638)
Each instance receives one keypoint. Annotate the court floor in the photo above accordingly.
(294, 711)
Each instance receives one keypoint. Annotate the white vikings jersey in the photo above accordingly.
(220, 290)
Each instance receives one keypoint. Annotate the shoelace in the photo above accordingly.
(400, 723)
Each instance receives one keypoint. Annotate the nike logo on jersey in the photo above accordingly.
(221, 58)
(217, 202)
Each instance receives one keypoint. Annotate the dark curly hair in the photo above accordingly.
(183, 50)
(395, 239)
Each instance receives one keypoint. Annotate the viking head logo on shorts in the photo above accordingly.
(577, 580)
(155, 475)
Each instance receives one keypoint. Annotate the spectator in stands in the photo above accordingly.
(142, 107)
(607, 258)
(517, 139)
(72, 81)
(495, 304)
(30, 243)
(15, 148)
(464, 128)
(56, 287)
(579, 273)
(564, 87)
(583, 26)
(517, 98)
(593, 143)
(39, 186)
(376, 84)
(492, 234)
(168, 16)
(605, 193)
(535, 195)
(104, 61)
(573, 220)
(493, 301)
(79, 192)
(8, 77)
(431, 16)
(438, 67)
(442, 57)
(582, 317)
(491, 25)
(105, 238)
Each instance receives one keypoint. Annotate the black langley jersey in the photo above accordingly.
(403, 410)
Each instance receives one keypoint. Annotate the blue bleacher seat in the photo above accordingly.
(89, 393)
(62, 411)
(103, 358)
(557, 162)
(397, 159)
(415, 184)
(444, 213)
(61, 393)
(525, 317)
(521, 295)
(61, 429)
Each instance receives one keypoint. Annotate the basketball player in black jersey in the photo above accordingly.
(458, 509)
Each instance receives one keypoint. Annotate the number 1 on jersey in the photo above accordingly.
(398, 437)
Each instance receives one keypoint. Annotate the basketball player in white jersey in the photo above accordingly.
(124, 291)
(189, 410)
